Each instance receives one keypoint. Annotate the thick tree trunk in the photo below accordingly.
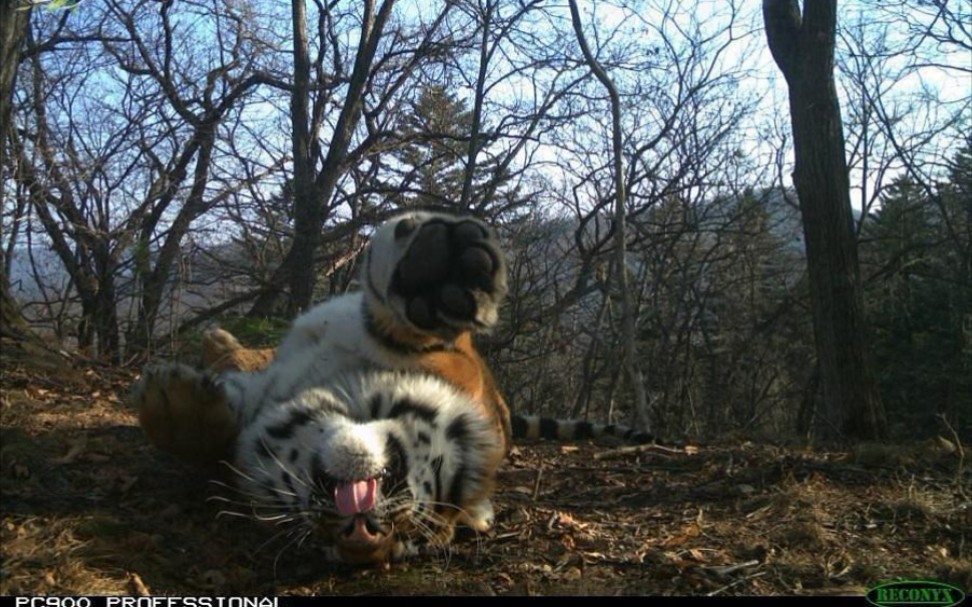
(307, 204)
(13, 28)
(106, 311)
(803, 48)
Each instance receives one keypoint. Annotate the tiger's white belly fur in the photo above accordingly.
(329, 339)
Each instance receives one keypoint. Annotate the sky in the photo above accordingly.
(767, 131)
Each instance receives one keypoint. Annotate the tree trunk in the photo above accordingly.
(13, 28)
(307, 205)
(154, 283)
(310, 205)
(106, 310)
(803, 48)
(628, 312)
(475, 130)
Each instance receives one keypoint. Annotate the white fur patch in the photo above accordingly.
(354, 452)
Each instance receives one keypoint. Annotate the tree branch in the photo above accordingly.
(783, 24)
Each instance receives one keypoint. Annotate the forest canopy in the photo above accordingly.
(168, 166)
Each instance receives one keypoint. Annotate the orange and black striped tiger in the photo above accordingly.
(375, 425)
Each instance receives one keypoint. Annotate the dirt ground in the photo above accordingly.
(88, 507)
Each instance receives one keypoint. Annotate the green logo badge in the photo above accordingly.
(915, 592)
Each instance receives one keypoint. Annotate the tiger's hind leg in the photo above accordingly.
(184, 412)
(221, 352)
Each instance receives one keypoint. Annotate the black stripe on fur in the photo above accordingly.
(409, 407)
(287, 429)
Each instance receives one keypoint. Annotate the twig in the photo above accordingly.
(961, 453)
(725, 570)
(637, 449)
(736, 583)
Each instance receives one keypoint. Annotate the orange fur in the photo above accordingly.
(464, 368)
(189, 419)
(222, 352)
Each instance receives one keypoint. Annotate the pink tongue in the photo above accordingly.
(358, 496)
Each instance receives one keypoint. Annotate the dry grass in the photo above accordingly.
(90, 508)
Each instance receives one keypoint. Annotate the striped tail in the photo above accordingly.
(532, 427)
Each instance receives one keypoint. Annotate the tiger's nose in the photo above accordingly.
(363, 531)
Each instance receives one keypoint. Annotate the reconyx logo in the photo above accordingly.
(915, 592)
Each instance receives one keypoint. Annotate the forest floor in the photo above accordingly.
(88, 507)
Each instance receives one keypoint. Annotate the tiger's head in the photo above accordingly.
(377, 466)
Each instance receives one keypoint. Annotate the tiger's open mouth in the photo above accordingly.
(362, 538)
(355, 497)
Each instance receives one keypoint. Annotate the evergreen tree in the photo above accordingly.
(435, 132)
(918, 299)
(430, 165)
(758, 342)
(956, 205)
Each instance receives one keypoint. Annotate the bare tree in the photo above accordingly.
(388, 52)
(314, 187)
(471, 124)
(682, 114)
(939, 33)
(803, 48)
(628, 311)
(120, 130)
(514, 51)
(71, 216)
(203, 100)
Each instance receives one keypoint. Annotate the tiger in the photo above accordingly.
(376, 425)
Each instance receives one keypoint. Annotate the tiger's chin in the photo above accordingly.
(377, 552)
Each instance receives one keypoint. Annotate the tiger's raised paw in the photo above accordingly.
(448, 273)
(184, 412)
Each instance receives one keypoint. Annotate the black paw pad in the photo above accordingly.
(421, 313)
(447, 273)
(468, 232)
(457, 302)
(477, 267)
(427, 260)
